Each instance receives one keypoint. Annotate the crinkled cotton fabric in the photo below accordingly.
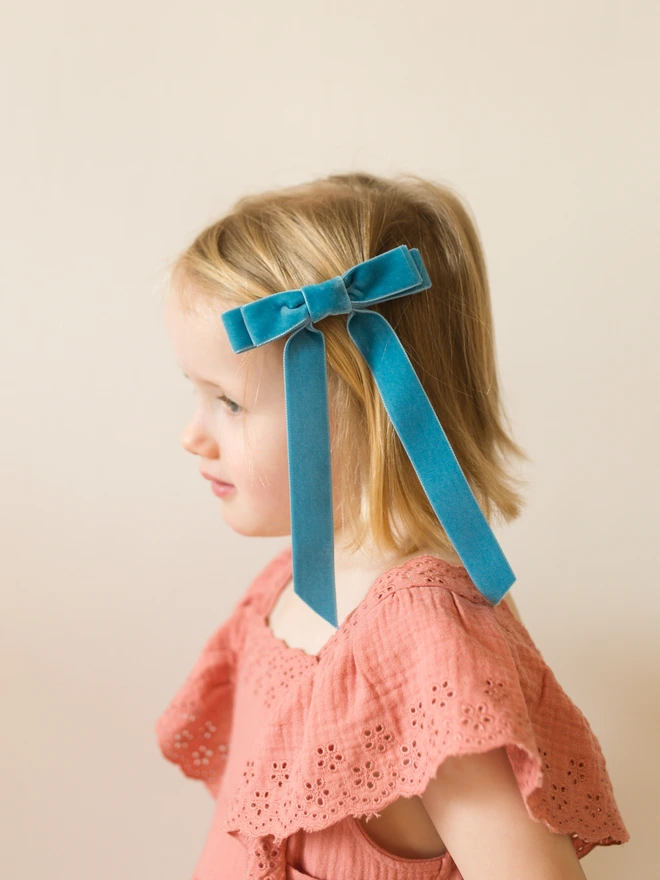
(294, 748)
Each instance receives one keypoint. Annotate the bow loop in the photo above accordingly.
(395, 273)
(263, 320)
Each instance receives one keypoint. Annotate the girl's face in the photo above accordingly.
(230, 415)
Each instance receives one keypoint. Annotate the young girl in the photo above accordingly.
(373, 708)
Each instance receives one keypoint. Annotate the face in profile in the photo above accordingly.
(237, 429)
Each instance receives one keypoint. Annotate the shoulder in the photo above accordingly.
(438, 660)
(426, 579)
(425, 600)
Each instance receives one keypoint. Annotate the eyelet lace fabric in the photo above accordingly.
(194, 731)
(423, 669)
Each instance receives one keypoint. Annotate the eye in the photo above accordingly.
(233, 407)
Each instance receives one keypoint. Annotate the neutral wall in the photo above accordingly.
(125, 130)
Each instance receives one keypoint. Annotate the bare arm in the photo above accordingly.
(478, 810)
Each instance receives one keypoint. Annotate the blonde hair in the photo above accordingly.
(304, 234)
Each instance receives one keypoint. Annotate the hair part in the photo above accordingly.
(304, 234)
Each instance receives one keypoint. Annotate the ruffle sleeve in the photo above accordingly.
(194, 730)
(426, 672)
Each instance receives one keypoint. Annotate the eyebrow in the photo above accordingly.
(213, 384)
(203, 381)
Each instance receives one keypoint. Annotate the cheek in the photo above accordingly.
(261, 454)
(275, 462)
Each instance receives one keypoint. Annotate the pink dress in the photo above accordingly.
(294, 747)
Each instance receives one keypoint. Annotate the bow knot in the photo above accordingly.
(327, 298)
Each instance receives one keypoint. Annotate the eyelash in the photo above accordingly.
(230, 404)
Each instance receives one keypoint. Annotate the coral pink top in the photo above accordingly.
(294, 747)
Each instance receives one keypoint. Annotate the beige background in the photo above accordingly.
(126, 128)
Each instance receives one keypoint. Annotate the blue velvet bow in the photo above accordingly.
(397, 272)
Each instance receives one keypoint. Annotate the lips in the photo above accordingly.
(215, 479)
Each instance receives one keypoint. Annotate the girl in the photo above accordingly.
(373, 708)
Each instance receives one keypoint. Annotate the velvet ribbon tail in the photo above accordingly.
(431, 454)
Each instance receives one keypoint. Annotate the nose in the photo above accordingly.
(197, 440)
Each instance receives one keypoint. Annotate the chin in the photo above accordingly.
(258, 530)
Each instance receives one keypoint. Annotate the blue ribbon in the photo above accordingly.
(397, 272)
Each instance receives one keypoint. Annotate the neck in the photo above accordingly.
(368, 560)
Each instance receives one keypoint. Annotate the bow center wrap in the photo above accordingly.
(327, 298)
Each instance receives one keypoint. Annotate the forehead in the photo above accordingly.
(204, 352)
